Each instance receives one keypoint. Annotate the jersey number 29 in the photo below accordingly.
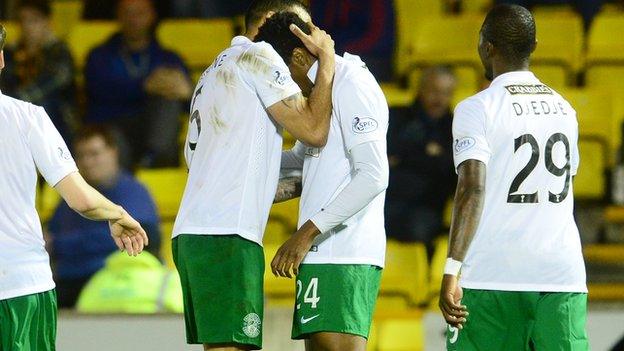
(512, 197)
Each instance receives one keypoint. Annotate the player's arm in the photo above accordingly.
(370, 179)
(308, 119)
(471, 155)
(88, 202)
(290, 183)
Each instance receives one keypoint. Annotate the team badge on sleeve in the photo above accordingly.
(463, 144)
(364, 125)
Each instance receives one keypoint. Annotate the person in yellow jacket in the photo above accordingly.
(139, 285)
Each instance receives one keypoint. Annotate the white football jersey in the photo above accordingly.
(233, 147)
(360, 115)
(526, 134)
(28, 142)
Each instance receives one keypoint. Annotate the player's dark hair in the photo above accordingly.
(96, 130)
(511, 29)
(3, 35)
(41, 6)
(258, 9)
(276, 31)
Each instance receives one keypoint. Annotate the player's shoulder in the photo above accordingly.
(23, 108)
(474, 103)
(352, 75)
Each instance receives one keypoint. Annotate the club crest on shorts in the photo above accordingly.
(252, 325)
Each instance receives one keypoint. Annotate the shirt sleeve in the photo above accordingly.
(469, 133)
(268, 74)
(363, 116)
(48, 149)
(371, 178)
(575, 158)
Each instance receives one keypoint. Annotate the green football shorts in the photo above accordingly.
(521, 321)
(222, 283)
(28, 323)
(337, 298)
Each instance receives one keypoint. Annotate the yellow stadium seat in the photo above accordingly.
(47, 201)
(408, 14)
(406, 271)
(605, 77)
(166, 187)
(595, 113)
(275, 287)
(555, 76)
(450, 40)
(13, 32)
(605, 45)
(65, 14)
(437, 267)
(286, 212)
(86, 35)
(166, 228)
(590, 182)
(371, 344)
(401, 334)
(396, 96)
(478, 6)
(277, 232)
(551, 49)
(181, 36)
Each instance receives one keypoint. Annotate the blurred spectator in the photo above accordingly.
(588, 9)
(421, 161)
(132, 285)
(138, 87)
(79, 246)
(106, 9)
(40, 69)
(362, 27)
(209, 8)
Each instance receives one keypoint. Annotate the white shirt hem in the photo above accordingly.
(344, 260)
(5, 295)
(524, 287)
(245, 234)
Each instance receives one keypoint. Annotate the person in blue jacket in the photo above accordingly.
(75, 252)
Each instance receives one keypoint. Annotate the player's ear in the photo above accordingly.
(1, 59)
(299, 58)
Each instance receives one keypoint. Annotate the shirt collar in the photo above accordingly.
(515, 76)
(240, 40)
(312, 71)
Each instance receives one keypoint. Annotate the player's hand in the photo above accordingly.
(128, 234)
(290, 255)
(450, 302)
(318, 42)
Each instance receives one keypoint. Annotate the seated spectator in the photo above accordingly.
(40, 69)
(105, 9)
(132, 285)
(136, 86)
(79, 246)
(209, 8)
(422, 176)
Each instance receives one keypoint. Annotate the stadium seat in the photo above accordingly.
(406, 272)
(166, 229)
(181, 36)
(396, 96)
(85, 36)
(595, 114)
(408, 14)
(449, 40)
(286, 212)
(13, 31)
(436, 271)
(553, 75)
(552, 50)
(277, 232)
(400, 334)
(590, 182)
(47, 201)
(275, 287)
(166, 187)
(605, 77)
(605, 45)
(476, 6)
(65, 14)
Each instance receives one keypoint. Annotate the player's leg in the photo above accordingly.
(334, 305)
(497, 320)
(222, 286)
(335, 342)
(560, 322)
(28, 322)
